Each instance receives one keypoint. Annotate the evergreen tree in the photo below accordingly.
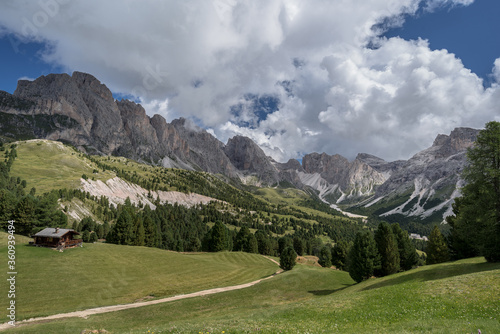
(241, 240)
(149, 231)
(325, 257)
(284, 242)
(339, 255)
(93, 237)
(298, 246)
(408, 256)
(218, 240)
(263, 243)
(86, 236)
(437, 249)
(106, 229)
(24, 215)
(388, 249)
(476, 225)
(364, 258)
(460, 245)
(122, 230)
(139, 232)
(288, 258)
(99, 231)
(252, 246)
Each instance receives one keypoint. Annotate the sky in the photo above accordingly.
(383, 77)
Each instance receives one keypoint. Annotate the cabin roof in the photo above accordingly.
(54, 232)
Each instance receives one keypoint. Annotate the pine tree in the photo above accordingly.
(24, 215)
(149, 232)
(288, 258)
(477, 219)
(283, 243)
(325, 257)
(364, 258)
(93, 237)
(298, 246)
(86, 236)
(388, 249)
(339, 255)
(123, 228)
(252, 246)
(139, 232)
(408, 256)
(218, 238)
(437, 249)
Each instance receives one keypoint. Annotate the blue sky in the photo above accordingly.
(470, 32)
(295, 76)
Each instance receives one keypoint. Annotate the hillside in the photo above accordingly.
(98, 187)
(456, 297)
(50, 282)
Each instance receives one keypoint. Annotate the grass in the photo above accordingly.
(50, 282)
(48, 165)
(455, 297)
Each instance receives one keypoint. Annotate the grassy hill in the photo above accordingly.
(51, 282)
(48, 165)
(456, 297)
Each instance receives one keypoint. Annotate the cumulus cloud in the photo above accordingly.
(202, 59)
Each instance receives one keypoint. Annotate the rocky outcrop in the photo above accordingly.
(249, 158)
(205, 151)
(349, 179)
(430, 180)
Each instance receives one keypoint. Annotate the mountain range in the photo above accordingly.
(81, 111)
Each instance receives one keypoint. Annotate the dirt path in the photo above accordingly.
(113, 308)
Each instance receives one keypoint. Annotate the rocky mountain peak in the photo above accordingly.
(330, 167)
(247, 156)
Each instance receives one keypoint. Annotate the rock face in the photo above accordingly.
(347, 180)
(249, 158)
(431, 178)
(81, 110)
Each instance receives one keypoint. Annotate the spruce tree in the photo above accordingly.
(339, 255)
(122, 230)
(298, 246)
(325, 257)
(388, 249)
(288, 258)
(477, 219)
(284, 242)
(139, 236)
(251, 246)
(218, 240)
(241, 240)
(408, 256)
(364, 258)
(437, 249)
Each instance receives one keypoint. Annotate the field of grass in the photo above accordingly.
(50, 282)
(456, 297)
(48, 165)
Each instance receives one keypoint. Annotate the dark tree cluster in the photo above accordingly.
(387, 252)
(475, 226)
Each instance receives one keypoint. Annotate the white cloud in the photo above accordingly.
(197, 58)
(496, 70)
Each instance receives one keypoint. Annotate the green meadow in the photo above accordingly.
(454, 297)
(50, 282)
(48, 165)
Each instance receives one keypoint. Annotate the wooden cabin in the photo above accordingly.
(59, 238)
